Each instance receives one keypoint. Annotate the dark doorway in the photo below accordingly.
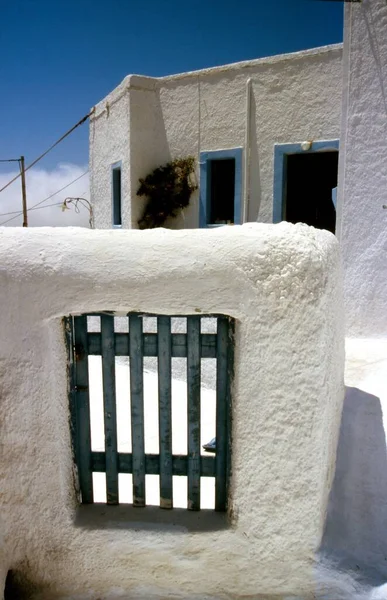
(310, 180)
(222, 191)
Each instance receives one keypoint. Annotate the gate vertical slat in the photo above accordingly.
(165, 409)
(193, 397)
(109, 401)
(83, 410)
(137, 408)
(222, 411)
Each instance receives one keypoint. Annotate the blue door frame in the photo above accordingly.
(281, 152)
(205, 196)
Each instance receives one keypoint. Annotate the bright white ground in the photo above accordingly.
(356, 528)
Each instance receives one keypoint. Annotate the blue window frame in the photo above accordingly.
(210, 170)
(116, 195)
(281, 152)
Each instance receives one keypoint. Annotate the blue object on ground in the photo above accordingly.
(211, 446)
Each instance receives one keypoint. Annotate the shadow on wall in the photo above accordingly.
(19, 587)
(184, 132)
(356, 527)
(150, 149)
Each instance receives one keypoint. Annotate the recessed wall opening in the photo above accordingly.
(311, 179)
(222, 191)
(220, 187)
(139, 432)
(116, 199)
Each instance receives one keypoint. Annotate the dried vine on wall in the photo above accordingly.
(168, 190)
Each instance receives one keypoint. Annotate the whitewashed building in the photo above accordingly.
(289, 507)
(264, 135)
(265, 138)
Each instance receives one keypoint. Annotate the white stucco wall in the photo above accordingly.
(295, 97)
(110, 146)
(281, 284)
(363, 172)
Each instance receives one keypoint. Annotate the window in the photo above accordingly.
(220, 187)
(116, 195)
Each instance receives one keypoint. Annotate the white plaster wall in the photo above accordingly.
(109, 143)
(284, 293)
(294, 97)
(363, 172)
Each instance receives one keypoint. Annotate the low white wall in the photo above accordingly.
(281, 284)
(363, 178)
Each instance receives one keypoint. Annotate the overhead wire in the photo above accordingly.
(11, 219)
(17, 214)
(46, 206)
(35, 208)
(61, 189)
(48, 150)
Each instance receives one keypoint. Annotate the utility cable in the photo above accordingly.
(17, 214)
(49, 149)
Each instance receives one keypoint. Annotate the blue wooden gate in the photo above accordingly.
(165, 345)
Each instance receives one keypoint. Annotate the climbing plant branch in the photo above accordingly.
(168, 190)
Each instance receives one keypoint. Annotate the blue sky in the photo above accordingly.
(61, 57)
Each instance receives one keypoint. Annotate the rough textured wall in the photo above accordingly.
(109, 143)
(363, 171)
(294, 97)
(282, 285)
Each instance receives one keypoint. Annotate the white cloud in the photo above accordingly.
(40, 184)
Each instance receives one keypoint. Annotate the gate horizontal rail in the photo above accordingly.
(152, 464)
(151, 343)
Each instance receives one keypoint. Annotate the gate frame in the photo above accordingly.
(87, 461)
